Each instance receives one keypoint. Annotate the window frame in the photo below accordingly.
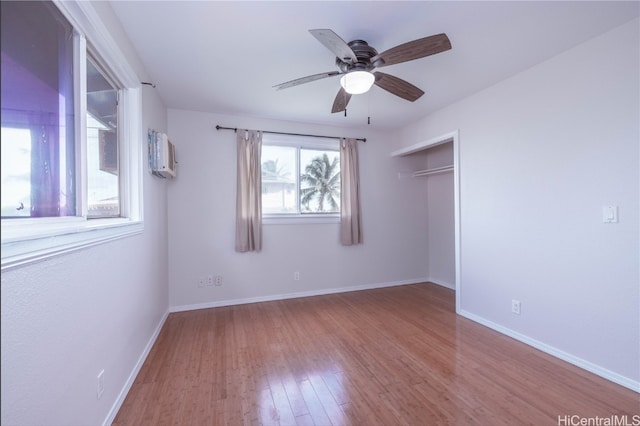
(27, 240)
(300, 142)
(91, 57)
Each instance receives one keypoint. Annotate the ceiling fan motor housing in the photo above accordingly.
(363, 53)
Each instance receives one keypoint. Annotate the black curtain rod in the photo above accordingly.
(235, 129)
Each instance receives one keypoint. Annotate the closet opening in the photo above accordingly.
(439, 169)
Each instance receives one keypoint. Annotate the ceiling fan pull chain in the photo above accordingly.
(345, 112)
(369, 108)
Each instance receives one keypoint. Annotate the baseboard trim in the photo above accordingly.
(335, 290)
(132, 377)
(442, 283)
(572, 359)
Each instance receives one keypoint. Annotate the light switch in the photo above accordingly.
(610, 214)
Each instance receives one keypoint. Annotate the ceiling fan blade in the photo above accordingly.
(334, 43)
(397, 86)
(415, 49)
(341, 101)
(306, 79)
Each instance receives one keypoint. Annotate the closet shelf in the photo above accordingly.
(433, 171)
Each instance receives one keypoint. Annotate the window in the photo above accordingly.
(71, 135)
(38, 167)
(103, 183)
(300, 177)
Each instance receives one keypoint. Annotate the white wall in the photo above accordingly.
(440, 217)
(441, 229)
(66, 319)
(202, 221)
(540, 154)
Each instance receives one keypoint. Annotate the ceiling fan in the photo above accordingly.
(357, 60)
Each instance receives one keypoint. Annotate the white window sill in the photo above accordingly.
(22, 245)
(299, 219)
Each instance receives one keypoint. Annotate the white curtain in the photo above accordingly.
(249, 191)
(350, 216)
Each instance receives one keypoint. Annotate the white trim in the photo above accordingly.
(300, 219)
(301, 141)
(84, 17)
(132, 163)
(134, 373)
(457, 218)
(555, 352)
(442, 284)
(80, 119)
(336, 290)
(22, 253)
(448, 137)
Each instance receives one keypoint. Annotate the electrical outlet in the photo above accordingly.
(515, 306)
(201, 282)
(296, 276)
(100, 384)
(218, 280)
(210, 280)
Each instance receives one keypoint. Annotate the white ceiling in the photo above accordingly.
(226, 56)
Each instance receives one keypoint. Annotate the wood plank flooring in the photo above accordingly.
(392, 356)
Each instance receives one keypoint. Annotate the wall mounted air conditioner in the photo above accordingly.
(162, 155)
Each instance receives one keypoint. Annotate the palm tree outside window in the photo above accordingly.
(320, 183)
(300, 177)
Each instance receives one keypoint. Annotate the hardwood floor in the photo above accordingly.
(392, 356)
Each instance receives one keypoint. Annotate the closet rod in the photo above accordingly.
(235, 129)
(433, 171)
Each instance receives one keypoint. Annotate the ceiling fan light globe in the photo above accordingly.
(357, 82)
